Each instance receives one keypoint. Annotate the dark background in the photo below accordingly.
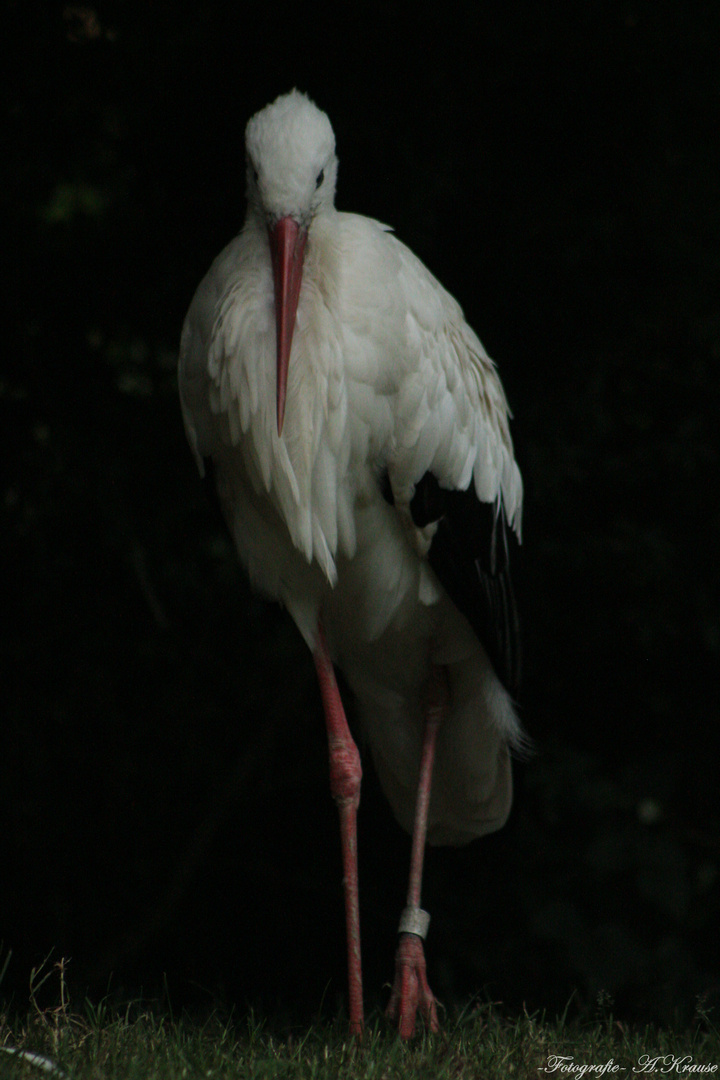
(164, 809)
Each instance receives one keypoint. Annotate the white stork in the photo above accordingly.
(359, 437)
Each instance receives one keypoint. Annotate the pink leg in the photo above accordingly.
(410, 991)
(345, 777)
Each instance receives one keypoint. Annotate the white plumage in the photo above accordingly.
(385, 382)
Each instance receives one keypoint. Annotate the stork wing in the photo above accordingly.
(452, 414)
(469, 553)
(453, 464)
(201, 423)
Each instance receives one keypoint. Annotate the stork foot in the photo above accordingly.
(411, 993)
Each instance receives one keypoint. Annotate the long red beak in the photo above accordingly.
(287, 250)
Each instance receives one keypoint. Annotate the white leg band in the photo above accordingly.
(414, 921)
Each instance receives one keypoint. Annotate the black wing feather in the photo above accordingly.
(470, 556)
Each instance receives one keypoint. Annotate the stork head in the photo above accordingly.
(291, 174)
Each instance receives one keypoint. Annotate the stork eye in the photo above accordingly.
(320, 178)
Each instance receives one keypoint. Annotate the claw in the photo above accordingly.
(411, 993)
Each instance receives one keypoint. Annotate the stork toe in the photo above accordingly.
(410, 992)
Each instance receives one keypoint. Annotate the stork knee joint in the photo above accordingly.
(345, 774)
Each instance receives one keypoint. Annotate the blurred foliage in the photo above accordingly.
(162, 781)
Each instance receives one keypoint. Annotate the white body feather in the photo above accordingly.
(384, 373)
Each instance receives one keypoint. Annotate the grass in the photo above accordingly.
(482, 1044)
